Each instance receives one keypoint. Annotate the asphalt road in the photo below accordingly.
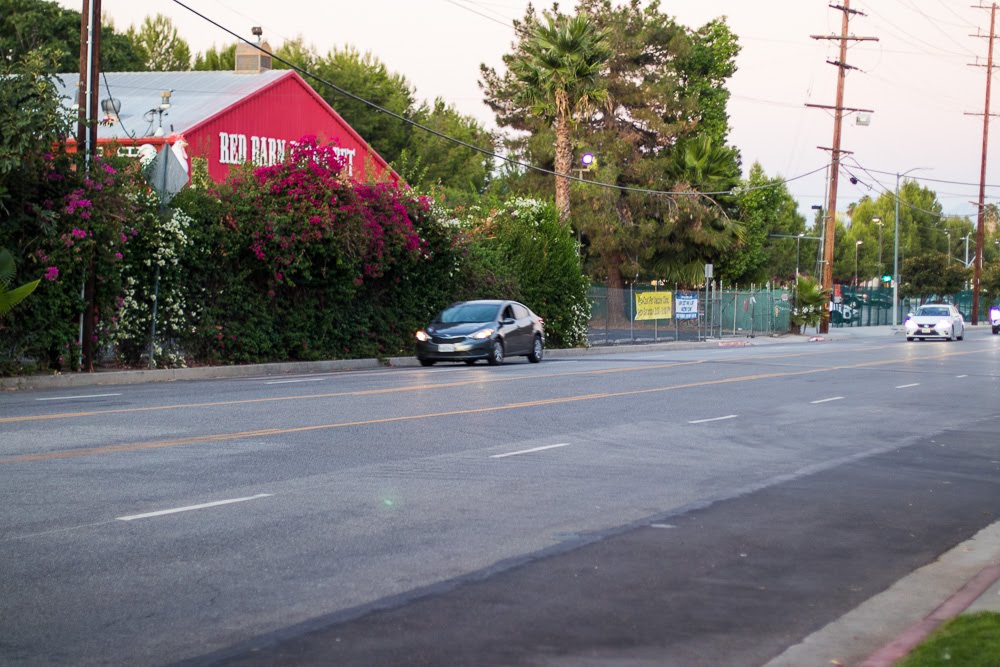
(698, 507)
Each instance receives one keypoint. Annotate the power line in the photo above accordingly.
(922, 178)
(485, 16)
(472, 147)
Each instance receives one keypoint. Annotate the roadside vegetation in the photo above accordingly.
(296, 261)
(970, 640)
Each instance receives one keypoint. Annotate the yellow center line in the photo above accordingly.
(220, 437)
(339, 394)
(394, 390)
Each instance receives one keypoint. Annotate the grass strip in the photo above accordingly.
(969, 640)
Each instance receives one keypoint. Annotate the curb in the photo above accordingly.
(900, 647)
(126, 377)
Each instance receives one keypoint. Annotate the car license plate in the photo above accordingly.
(927, 331)
(446, 347)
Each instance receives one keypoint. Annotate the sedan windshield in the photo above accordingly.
(469, 312)
(932, 311)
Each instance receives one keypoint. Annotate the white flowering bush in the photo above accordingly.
(518, 249)
(152, 272)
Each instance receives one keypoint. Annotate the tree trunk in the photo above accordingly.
(616, 292)
(564, 162)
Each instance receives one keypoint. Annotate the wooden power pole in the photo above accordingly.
(838, 109)
(86, 144)
(977, 272)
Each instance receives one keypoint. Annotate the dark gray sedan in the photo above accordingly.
(490, 329)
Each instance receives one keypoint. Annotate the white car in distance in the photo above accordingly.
(935, 320)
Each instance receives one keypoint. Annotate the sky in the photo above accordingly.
(916, 78)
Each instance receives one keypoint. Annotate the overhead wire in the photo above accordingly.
(131, 135)
(890, 27)
(935, 24)
(477, 13)
(473, 147)
(893, 194)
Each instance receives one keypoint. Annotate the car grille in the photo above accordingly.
(446, 339)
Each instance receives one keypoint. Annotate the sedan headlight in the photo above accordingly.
(944, 324)
(422, 336)
(482, 334)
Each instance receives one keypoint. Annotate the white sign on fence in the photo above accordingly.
(686, 306)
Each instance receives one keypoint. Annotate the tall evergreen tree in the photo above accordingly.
(161, 47)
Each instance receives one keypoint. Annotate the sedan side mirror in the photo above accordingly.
(508, 320)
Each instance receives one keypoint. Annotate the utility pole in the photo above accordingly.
(977, 271)
(86, 143)
(835, 151)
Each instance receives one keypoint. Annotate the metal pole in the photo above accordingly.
(798, 243)
(677, 331)
(631, 310)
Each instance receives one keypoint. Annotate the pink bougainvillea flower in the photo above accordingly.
(52, 273)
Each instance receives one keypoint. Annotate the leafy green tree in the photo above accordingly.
(990, 282)
(637, 139)
(31, 25)
(296, 52)
(216, 59)
(32, 119)
(161, 47)
(932, 275)
(460, 172)
(367, 77)
(704, 69)
(767, 207)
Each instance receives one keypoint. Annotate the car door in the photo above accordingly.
(509, 331)
(524, 327)
(959, 321)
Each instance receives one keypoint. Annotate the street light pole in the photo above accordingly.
(878, 221)
(798, 243)
(895, 251)
(857, 244)
(948, 234)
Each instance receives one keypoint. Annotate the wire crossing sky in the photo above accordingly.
(917, 77)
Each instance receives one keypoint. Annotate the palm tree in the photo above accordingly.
(560, 70)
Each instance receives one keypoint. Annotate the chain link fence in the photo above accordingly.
(653, 312)
(872, 306)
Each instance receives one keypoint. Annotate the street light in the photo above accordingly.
(878, 221)
(948, 234)
(798, 242)
(857, 244)
(895, 251)
(822, 227)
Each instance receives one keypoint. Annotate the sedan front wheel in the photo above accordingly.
(496, 354)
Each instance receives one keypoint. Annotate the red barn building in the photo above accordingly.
(229, 118)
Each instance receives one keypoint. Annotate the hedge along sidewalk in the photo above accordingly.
(143, 376)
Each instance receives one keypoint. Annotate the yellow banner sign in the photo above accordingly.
(654, 305)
